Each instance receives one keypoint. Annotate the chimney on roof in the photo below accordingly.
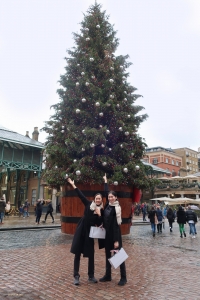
(27, 134)
(35, 134)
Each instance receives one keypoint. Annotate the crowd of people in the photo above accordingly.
(158, 215)
(23, 211)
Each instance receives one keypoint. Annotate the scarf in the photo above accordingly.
(118, 211)
(93, 206)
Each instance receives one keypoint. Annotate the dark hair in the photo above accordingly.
(180, 208)
(98, 194)
(152, 208)
(113, 193)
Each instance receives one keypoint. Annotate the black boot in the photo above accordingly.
(181, 235)
(184, 234)
(105, 278)
(76, 280)
(122, 281)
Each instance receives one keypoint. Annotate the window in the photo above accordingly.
(172, 162)
(155, 161)
(187, 153)
(33, 197)
(25, 177)
(190, 168)
(166, 160)
(177, 163)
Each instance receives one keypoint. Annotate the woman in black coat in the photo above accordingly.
(112, 221)
(38, 210)
(152, 216)
(181, 220)
(171, 218)
(82, 243)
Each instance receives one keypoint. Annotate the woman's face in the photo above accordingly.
(111, 198)
(98, 200)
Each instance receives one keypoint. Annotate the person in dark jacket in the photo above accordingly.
(181, 220)
(112, 221)
(171, 218)
(82, 243)
(38, 210)
(144, 211)
(151, 217)
(2, 209)
(49, 211)
(159, 215)
(191, 219)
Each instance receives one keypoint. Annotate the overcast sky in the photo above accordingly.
(161, 37)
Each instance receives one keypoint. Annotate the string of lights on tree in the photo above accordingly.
(94, 129)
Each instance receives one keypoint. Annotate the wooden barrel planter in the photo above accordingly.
(72, 208)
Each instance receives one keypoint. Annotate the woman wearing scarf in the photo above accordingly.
(112, 221)
(82, 243)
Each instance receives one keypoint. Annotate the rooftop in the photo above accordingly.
(11, 136)
(159, 148)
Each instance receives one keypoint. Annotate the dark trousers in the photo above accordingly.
(38, 216)
(50, 213)
(90, 264)
(108, 265)
(144, 216)
(159, 227)
(170, 223)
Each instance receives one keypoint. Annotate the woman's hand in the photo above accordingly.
(71, 182)
(116, 245)
(98, 211)
(105, 178)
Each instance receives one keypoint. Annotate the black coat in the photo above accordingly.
(191, 216)
(181, 217)
(113, 232)
(151, 216)
(170, 215)
(39, 206)
(50, 207)
(82, 243)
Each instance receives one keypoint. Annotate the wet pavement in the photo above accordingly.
(37, 264)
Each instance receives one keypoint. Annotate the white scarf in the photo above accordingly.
(118, 211)
(93, 206)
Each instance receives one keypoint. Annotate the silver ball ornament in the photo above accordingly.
(107, 131)
(137, 167)
(128, 116)
(83, 100)
(115, 182)
(112, 96)
(78, 111)
(74, 160)
(83, 149)
(97, 104)
(126, 133)
(121, 145)
(77, 83)
(98, 26)
(63, 127)
(92, 145)
(62, 131)
(78, 65)
(78, 173)
(82, 73)
(66, 176)
(111, 68)
(102, 146)
(125, 99)
(109, 149)
(121, 67)
(120, 129)
(125, 170)
(108, 104)
(86, 29)
(118, 105)
(91, 59)
(111, 80)
(100, 126)
(101, 114)
(114, 58)
(83, 131)
(93, 77)
(132, 154)
(87, 83)
(104, 163)
(87, 39)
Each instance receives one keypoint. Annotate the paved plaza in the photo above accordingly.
(37, 264)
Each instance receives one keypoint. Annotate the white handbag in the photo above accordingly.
(118, 258)
(97, 232)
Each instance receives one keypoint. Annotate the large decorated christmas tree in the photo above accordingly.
(94, 129)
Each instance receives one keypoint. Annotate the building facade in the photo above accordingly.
(189, 160)
(164, 158)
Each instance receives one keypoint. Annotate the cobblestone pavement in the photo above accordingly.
(37, 264)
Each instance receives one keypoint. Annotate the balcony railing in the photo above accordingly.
(178, 186)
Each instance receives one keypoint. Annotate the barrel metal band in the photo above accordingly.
(75, 220)
(73, 193)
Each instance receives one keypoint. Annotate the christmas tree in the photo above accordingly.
(94, 129)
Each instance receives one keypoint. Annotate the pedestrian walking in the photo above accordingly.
(181, 220)
(171, 218)
(191, 219)
(82, 243)
(159, 215)
(38, 210)
(112, 221)
(7, 209)
(153, 219)
(2, 209)
(144, 211)
(21, 211)
(26, 208)
(49, 211)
